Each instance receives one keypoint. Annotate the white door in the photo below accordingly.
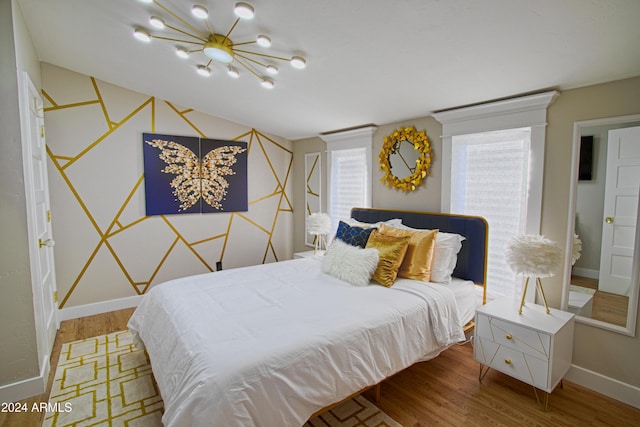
(38, 218)
(620, 210)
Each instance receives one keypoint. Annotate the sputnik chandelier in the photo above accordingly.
(217, 47)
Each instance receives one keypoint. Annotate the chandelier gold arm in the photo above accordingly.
(248, 68)
(171, 39)
(243, 43)
(186, 33)
(264, 55)
(233, 27)
(251, 60)
(185, 23)
(206, 22)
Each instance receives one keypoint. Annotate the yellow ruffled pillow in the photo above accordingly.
(392, 250)
(419, 257)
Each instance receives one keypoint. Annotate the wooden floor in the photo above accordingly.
(444, 391)
(607, 307)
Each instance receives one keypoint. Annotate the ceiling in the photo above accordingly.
(368, 61)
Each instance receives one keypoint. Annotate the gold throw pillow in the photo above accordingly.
(419, 257)
(392, 250)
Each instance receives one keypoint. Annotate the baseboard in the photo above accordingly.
(586, 272)
(23, 389)
(98, 307)
(613, 388)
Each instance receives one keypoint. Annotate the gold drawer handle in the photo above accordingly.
(509, 336)
(507, 361)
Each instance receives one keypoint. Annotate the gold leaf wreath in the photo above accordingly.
(420, 143)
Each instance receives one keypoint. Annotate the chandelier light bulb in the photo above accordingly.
(200, 11)
(263, 40)
(182, 52)
(203, 70)
(142, 35)
(244, 10)
(267, 83)
(298, 62)
(157, 22)
(272, 69)
(233, 72)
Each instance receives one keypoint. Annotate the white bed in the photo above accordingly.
(272, 344)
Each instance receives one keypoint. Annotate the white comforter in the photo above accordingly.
(272, 344)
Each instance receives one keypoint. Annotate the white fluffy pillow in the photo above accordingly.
(352, 264)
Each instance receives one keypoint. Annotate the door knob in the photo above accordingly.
(48, 243)
(609, 220)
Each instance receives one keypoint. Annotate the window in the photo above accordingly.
(348, 171)
(493, 159)
(480, 164)
(348, 182)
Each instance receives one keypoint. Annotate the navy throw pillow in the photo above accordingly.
(355, 236)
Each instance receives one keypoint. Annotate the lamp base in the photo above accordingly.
(539, 289)
(318, 243)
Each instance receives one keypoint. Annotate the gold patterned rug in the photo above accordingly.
(105, 380)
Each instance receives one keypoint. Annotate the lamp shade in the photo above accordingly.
(533, 255)
(318, 223)
(577, 249)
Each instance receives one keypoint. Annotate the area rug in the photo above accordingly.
(105, 380)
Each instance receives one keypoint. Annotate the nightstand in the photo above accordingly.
(534, 347)
(307, 254)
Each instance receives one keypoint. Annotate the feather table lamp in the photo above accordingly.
(319, 224)
(533, 256)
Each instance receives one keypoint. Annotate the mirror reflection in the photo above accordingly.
(606, 216)
(402, 158)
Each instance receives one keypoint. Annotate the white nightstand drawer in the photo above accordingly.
(523, 339)
(522, 366)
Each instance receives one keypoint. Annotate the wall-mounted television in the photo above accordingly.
(585, 169)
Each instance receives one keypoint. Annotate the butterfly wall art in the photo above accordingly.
(186, 174)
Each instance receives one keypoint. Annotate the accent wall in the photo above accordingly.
(106, 248)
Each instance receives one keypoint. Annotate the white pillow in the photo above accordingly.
(445, 254)
(395, 222)
(352, 264)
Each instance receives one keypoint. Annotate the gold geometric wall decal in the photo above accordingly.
(98, 218)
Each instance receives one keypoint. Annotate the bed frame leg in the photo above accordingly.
(376, 393)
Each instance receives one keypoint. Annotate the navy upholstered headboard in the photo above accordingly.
(472, 259)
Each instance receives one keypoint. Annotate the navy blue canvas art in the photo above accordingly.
(194, 175)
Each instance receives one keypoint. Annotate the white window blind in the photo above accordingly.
(348, 171)
(490, 178)
(348, 182)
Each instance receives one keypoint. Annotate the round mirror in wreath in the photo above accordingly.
(405, 158)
